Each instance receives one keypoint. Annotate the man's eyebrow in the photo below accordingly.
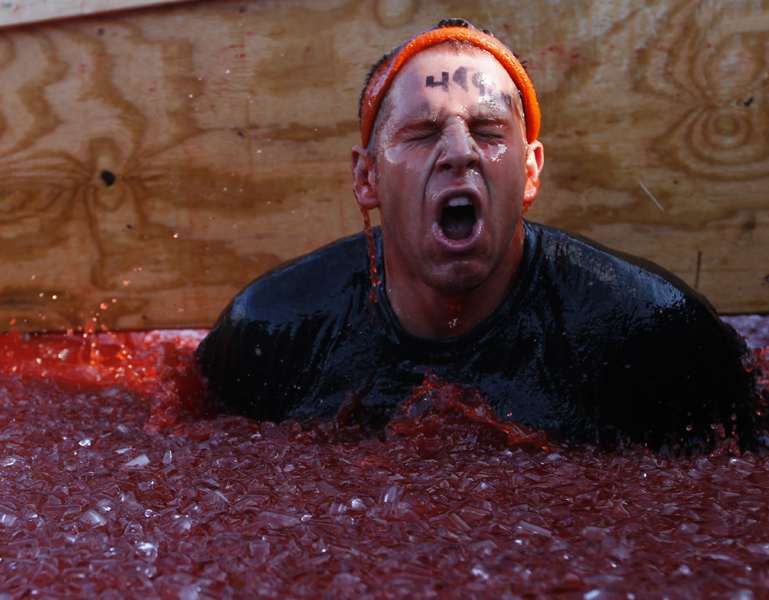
(419, 123)
(490, 112)
(424, 115)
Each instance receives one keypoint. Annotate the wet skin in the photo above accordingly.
(451, 137)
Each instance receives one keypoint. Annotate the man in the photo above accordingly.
(553, 330)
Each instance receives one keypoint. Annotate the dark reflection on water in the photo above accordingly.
(117, 481)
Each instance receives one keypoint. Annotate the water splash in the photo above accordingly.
(438, 408)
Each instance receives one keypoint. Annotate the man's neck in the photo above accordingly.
(428, 313)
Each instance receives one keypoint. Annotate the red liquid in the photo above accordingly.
(455, 309)
(375, 279)
(116, 482)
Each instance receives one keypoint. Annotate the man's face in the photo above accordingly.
(451, 168)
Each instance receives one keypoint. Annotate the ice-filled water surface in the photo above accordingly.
(117, 480)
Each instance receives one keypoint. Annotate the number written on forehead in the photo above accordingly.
(444, 82)
(480, 80)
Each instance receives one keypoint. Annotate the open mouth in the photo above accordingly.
(458, 218)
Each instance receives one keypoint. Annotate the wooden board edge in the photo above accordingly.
(19, 12)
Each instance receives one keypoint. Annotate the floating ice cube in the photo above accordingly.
(92, 518)
(139, 461)
(277, 521)
(147, 550)
(479, 572)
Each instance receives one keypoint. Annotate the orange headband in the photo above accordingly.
(382, 79)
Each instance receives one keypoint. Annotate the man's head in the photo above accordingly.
(448, 162)
(456, 32)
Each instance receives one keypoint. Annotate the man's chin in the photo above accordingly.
(458, 280)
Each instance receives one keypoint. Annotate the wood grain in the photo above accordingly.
(155, 161)
(20, 12)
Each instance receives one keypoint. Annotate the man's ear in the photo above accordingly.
(364, 178)
(535, 160)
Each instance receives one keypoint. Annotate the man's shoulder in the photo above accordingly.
(265, 351)
(627, 283)
(305, 285)
(660, 367)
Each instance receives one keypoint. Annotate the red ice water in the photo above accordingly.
(117, 480)
(376, 280)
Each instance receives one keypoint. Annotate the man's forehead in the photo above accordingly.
(467, 67)
(442, 73)
(454, 33)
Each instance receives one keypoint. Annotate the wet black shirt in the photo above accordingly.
(600, 346)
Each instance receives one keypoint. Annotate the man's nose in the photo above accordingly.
(459, 152)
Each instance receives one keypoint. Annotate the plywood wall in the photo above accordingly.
(153, 162)
(18, 12)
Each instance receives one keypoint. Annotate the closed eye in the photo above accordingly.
(488, 130)
(486, 134)
(421, 132)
